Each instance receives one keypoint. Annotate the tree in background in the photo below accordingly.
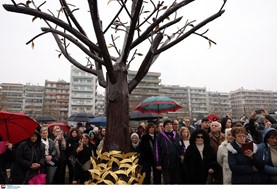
(151, 27)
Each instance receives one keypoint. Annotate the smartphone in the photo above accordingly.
(51, 163)
(258, 111)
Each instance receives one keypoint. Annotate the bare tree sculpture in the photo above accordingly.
(142, 26)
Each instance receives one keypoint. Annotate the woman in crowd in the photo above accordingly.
(226, 123)
(72, 143)
(147, 155)
(246, 167)
(169, 154)
(222, 156)
(135, 143)
(6, 156)
(29, 158)
(60, 145)
(51, 159)
(199, 158)
(185, 135)
(84, 152)
(267, 150)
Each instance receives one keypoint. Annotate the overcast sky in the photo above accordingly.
(245, 54)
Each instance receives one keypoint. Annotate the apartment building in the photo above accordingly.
(100, 105)
(33, 100)
(83, 91)
(245, 101)
(56, 98)
(27, 98)
(149, 86)
(219, 103)
(12, 97)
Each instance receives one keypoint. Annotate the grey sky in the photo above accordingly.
(245, 54)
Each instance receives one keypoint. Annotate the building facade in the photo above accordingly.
(149, 86)
(243, 101)
(83, 91)
(56, 98)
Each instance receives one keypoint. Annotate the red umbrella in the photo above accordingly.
(62, 125)
(16, 127)
(213, 117)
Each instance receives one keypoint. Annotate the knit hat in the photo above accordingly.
(166, 122)
(134, 135)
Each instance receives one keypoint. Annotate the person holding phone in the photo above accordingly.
(245, 165)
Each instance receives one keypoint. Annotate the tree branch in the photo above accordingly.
(73, 40)
(191, 31)
(62, 24)
(136, 6)
(101, 39)
(72, 17)
(146, 64)
(167, 13)
(72, 60)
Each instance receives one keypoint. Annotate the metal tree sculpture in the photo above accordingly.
(137, 25)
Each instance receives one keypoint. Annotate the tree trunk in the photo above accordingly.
(117, 111)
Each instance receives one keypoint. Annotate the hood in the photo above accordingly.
(266, 131)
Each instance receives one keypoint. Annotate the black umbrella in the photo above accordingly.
(138, 116)
(81, 117)
(45, 118)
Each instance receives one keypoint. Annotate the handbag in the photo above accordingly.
(86, 166)
(40, 178)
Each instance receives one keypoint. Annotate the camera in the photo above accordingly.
(258, 111)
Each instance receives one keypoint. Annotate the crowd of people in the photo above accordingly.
(215, 151)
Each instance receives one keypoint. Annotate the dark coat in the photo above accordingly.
(26, 154)
(81, 158)
(147, 149)
(196, 167)
(168, 152)
(242, 166)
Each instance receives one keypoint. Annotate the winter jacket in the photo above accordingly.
(26, 154)
(167, 151)
(264, 153)
(242, 166)
(222, 159)
(196, 167)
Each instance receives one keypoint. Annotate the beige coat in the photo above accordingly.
(222, 159)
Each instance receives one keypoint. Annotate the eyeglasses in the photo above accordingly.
(198, 137)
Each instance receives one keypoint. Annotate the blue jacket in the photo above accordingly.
(242, 166)
(264, 153)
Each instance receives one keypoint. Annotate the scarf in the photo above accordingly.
(46, 143)
(135, 145)
(200, 148)
(273, 152)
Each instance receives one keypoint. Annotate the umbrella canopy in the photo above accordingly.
(98, 121)
(45, 118)
(16, 127)
(81, 117)
(62, 125)
(213, 117)
(158, 105)
(138, 116)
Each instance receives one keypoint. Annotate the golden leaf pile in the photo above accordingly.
(114, 167)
